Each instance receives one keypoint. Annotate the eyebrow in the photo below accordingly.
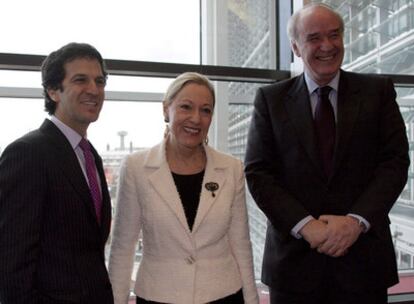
(78, 75)
(337, 30)
(85, 75)
(311, 35)
(186, 99)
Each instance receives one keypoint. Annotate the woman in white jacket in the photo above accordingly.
(189, 202)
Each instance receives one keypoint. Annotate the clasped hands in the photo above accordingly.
(332, 235)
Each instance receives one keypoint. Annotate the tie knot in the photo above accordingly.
(84, 145)
(323, 91)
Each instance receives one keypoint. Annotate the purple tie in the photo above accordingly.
(92, 178)
(325, 128)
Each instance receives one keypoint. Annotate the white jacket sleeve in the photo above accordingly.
(125, 233)
(240, 239)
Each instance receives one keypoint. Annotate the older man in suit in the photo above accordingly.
(327, 157)
(55, 208)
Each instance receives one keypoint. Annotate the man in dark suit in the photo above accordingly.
(326, 165)
(55, 210)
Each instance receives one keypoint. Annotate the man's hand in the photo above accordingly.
(342, 232)
(314, 232)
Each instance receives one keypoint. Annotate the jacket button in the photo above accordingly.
(190, 260)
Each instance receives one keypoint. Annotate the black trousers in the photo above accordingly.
(329, 295)
(236, 298)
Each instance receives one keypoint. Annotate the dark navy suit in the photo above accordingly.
(286, 179)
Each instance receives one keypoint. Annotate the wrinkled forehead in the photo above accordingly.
(317, 19)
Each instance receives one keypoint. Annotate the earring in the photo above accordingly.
(206, 140)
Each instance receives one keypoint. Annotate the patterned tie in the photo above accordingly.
(325, 128)
(92, 178)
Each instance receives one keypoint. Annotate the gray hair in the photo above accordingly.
(294, 19)
(182, 80)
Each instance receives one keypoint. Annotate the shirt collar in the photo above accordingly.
(312, 85)
(73, 137)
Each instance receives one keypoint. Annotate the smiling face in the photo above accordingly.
(80, 100)
(189, 115)
(319, 43)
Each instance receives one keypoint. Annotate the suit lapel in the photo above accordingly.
(349, 101)
(298, 107)
(162, 181)
(214, 173)
(69, 163)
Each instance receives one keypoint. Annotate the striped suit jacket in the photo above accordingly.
(51, 246)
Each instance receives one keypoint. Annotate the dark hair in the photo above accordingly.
(53, 68)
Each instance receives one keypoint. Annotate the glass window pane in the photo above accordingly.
(127, 126)
(20, 79)
(378, 35)
(15, 122)
(137, 84)
(155, 30)
(402, 214)
(120, 126)
(239, 33)
(240, 107)
(31, 79)
(229, 32)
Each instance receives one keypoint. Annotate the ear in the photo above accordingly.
(54, 95)
(295, 48)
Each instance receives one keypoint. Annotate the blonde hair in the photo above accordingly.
(181, 81)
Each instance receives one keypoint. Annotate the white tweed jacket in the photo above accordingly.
(178, 265)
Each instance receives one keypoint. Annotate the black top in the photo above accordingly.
(189, 188)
